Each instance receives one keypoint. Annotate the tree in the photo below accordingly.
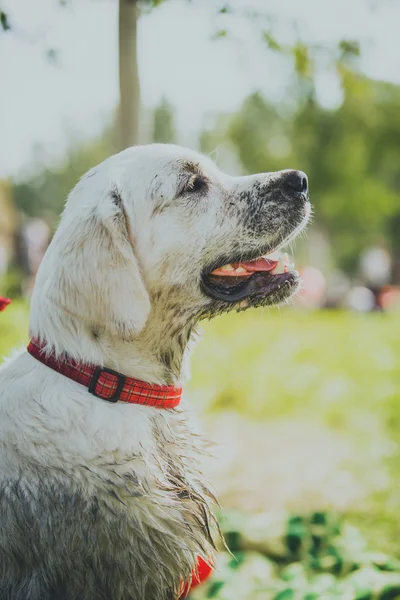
(128, 130)
(129, 85)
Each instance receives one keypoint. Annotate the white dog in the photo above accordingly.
(102, 498)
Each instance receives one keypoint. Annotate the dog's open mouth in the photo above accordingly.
(266, 277)
(255, 279)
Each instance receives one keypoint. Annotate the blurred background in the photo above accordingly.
(302, 402)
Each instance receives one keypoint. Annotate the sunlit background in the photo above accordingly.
(302, 402)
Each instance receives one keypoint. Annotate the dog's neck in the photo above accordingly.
(158, 354)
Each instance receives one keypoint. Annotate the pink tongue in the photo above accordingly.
(260, 264)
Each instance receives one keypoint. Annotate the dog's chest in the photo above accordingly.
(120, 518)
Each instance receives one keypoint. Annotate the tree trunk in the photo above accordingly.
(129, 109)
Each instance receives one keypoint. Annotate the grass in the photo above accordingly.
(334, 373)
(330, 365)
(13, 327)
(285, 375)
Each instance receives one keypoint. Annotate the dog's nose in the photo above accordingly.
(295, 181)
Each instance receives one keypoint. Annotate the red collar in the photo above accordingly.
(107, 384)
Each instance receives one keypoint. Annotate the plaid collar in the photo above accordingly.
(106, 383)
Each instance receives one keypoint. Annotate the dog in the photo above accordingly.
(102, 498)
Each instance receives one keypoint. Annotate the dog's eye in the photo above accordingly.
(195, 184)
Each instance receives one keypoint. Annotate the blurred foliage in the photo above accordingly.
(4, 21)
(163, 123)
(44, 194)
(336, 370)
(221, 33)
(349, 48)
(11, 282)
(350, 154)
(13, 327)
(306, 558)
(303, 64)
(336, 387)
(226, 9)
(271, 42)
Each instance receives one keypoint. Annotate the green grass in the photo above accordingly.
(328, 365)
(13, 327)
(337, 370)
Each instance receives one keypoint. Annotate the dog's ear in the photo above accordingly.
(98, 278)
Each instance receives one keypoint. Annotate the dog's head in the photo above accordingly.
(159, 227)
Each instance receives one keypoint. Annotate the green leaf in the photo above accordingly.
(319, 518)
(227, 9)
(390, 592)
(271, 42)
(349, 48)
(215, 588)
(4, 21)
(221, 33)
(302, 60)
(287, 594)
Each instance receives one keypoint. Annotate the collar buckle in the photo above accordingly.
(103, 393)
